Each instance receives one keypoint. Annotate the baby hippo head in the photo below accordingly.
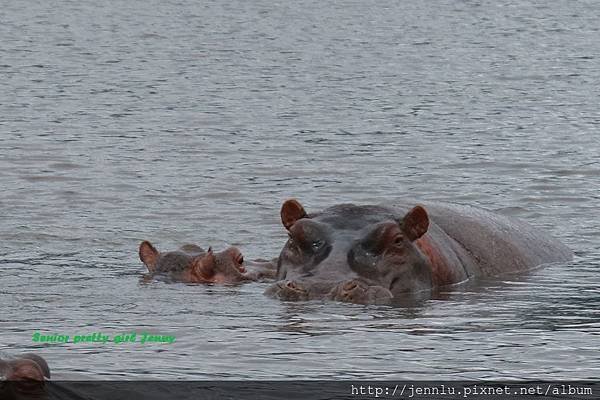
(192, 264)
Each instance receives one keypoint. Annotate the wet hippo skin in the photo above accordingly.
(25, 367)
(190, 263)
(375, 254)
(23, 377)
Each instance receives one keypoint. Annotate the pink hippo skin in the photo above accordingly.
(190, 263)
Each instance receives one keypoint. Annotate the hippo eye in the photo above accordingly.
(317, 244)
(370, 258)
(398, 240)
(240, 260)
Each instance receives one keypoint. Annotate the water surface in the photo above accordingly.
(181, 121)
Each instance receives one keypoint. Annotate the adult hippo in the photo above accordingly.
(374, 254)
(194, 265)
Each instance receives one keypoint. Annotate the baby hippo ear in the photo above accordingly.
(149, 255)
(203, 267)
(291, 211)
(415, 223)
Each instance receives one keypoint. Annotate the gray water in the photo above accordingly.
(182, 121)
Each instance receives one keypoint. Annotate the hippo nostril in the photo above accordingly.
(288, 291)
(291, 285)
(295, 287)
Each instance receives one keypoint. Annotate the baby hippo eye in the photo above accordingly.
(398, 240)
(240, 259)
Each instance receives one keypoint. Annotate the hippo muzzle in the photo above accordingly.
(351, 291)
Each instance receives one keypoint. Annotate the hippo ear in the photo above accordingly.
(149, 255)
(415, 223)
(291, 211)
(203, 267)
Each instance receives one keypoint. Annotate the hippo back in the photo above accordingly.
(496, 243)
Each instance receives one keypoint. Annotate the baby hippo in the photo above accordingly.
(194, 265)
(28, 367)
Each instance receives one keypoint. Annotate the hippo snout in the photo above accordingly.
(287, 290)
(357, 291)
(351, 291)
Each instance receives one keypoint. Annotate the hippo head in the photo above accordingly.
(29, 367)
(358, 254)
(26, 377)
(26, 369)
(192, 264)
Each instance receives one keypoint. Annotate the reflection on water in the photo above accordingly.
(184, 122)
